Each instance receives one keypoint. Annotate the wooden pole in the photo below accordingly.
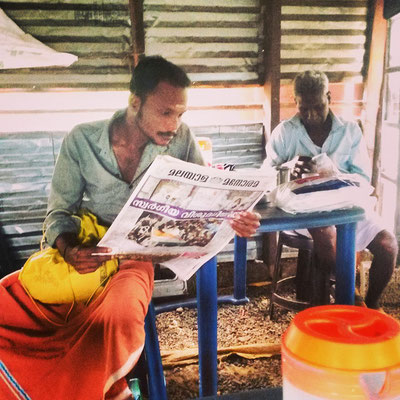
(137, 30)
(272, 65)
(376, 162)
(374, 88)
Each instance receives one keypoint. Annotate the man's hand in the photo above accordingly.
(83, 259)
(245, 223)
(303, 165)
(80, 257)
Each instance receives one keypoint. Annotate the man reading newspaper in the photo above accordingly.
(54, 351)
(179, 213)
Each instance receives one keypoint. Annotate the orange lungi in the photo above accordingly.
(42, 357)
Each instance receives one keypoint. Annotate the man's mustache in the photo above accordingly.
(169, 133)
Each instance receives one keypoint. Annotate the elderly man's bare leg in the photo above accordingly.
(325, 253)
(384, 249)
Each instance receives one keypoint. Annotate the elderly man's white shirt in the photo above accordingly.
(345, 145)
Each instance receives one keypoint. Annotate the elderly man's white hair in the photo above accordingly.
(310, 82)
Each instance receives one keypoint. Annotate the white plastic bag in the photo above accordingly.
(324, 166)
(323, 193)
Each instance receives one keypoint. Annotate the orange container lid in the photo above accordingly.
(344, 337)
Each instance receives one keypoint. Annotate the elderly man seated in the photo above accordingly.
(314, 130)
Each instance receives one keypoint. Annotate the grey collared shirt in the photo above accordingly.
(86, 174)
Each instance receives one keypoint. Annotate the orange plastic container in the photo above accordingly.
(341, 352)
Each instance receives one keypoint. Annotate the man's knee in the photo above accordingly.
(122, 309)
(384, 245)
(128, 295)
(323, 231)
(324, 238)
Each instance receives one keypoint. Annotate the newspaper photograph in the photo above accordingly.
(179, 212)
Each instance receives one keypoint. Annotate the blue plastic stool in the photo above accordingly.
(302, 278)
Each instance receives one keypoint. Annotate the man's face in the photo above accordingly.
(159, 115)
(313, 109)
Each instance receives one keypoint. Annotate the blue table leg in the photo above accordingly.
(206, 280)
(157, 389)
(239, 283)
(345, 263)
(240, 267)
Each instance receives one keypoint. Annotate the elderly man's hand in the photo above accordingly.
(304, 165)
(245, 223)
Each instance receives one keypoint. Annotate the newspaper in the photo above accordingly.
(178, 214)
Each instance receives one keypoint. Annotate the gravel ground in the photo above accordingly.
(238, 325)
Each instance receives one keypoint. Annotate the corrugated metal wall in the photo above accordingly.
(328, 35)
(241, 145)
(98, 32)
(218, 41)
(26, 165)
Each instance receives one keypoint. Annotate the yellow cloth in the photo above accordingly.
(49, 279)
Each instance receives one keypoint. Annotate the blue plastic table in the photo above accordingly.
(272, 220)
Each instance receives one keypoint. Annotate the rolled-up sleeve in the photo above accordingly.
(277, 147)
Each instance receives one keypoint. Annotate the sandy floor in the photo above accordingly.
(237, 326)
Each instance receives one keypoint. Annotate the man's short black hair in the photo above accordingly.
(152, 70)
